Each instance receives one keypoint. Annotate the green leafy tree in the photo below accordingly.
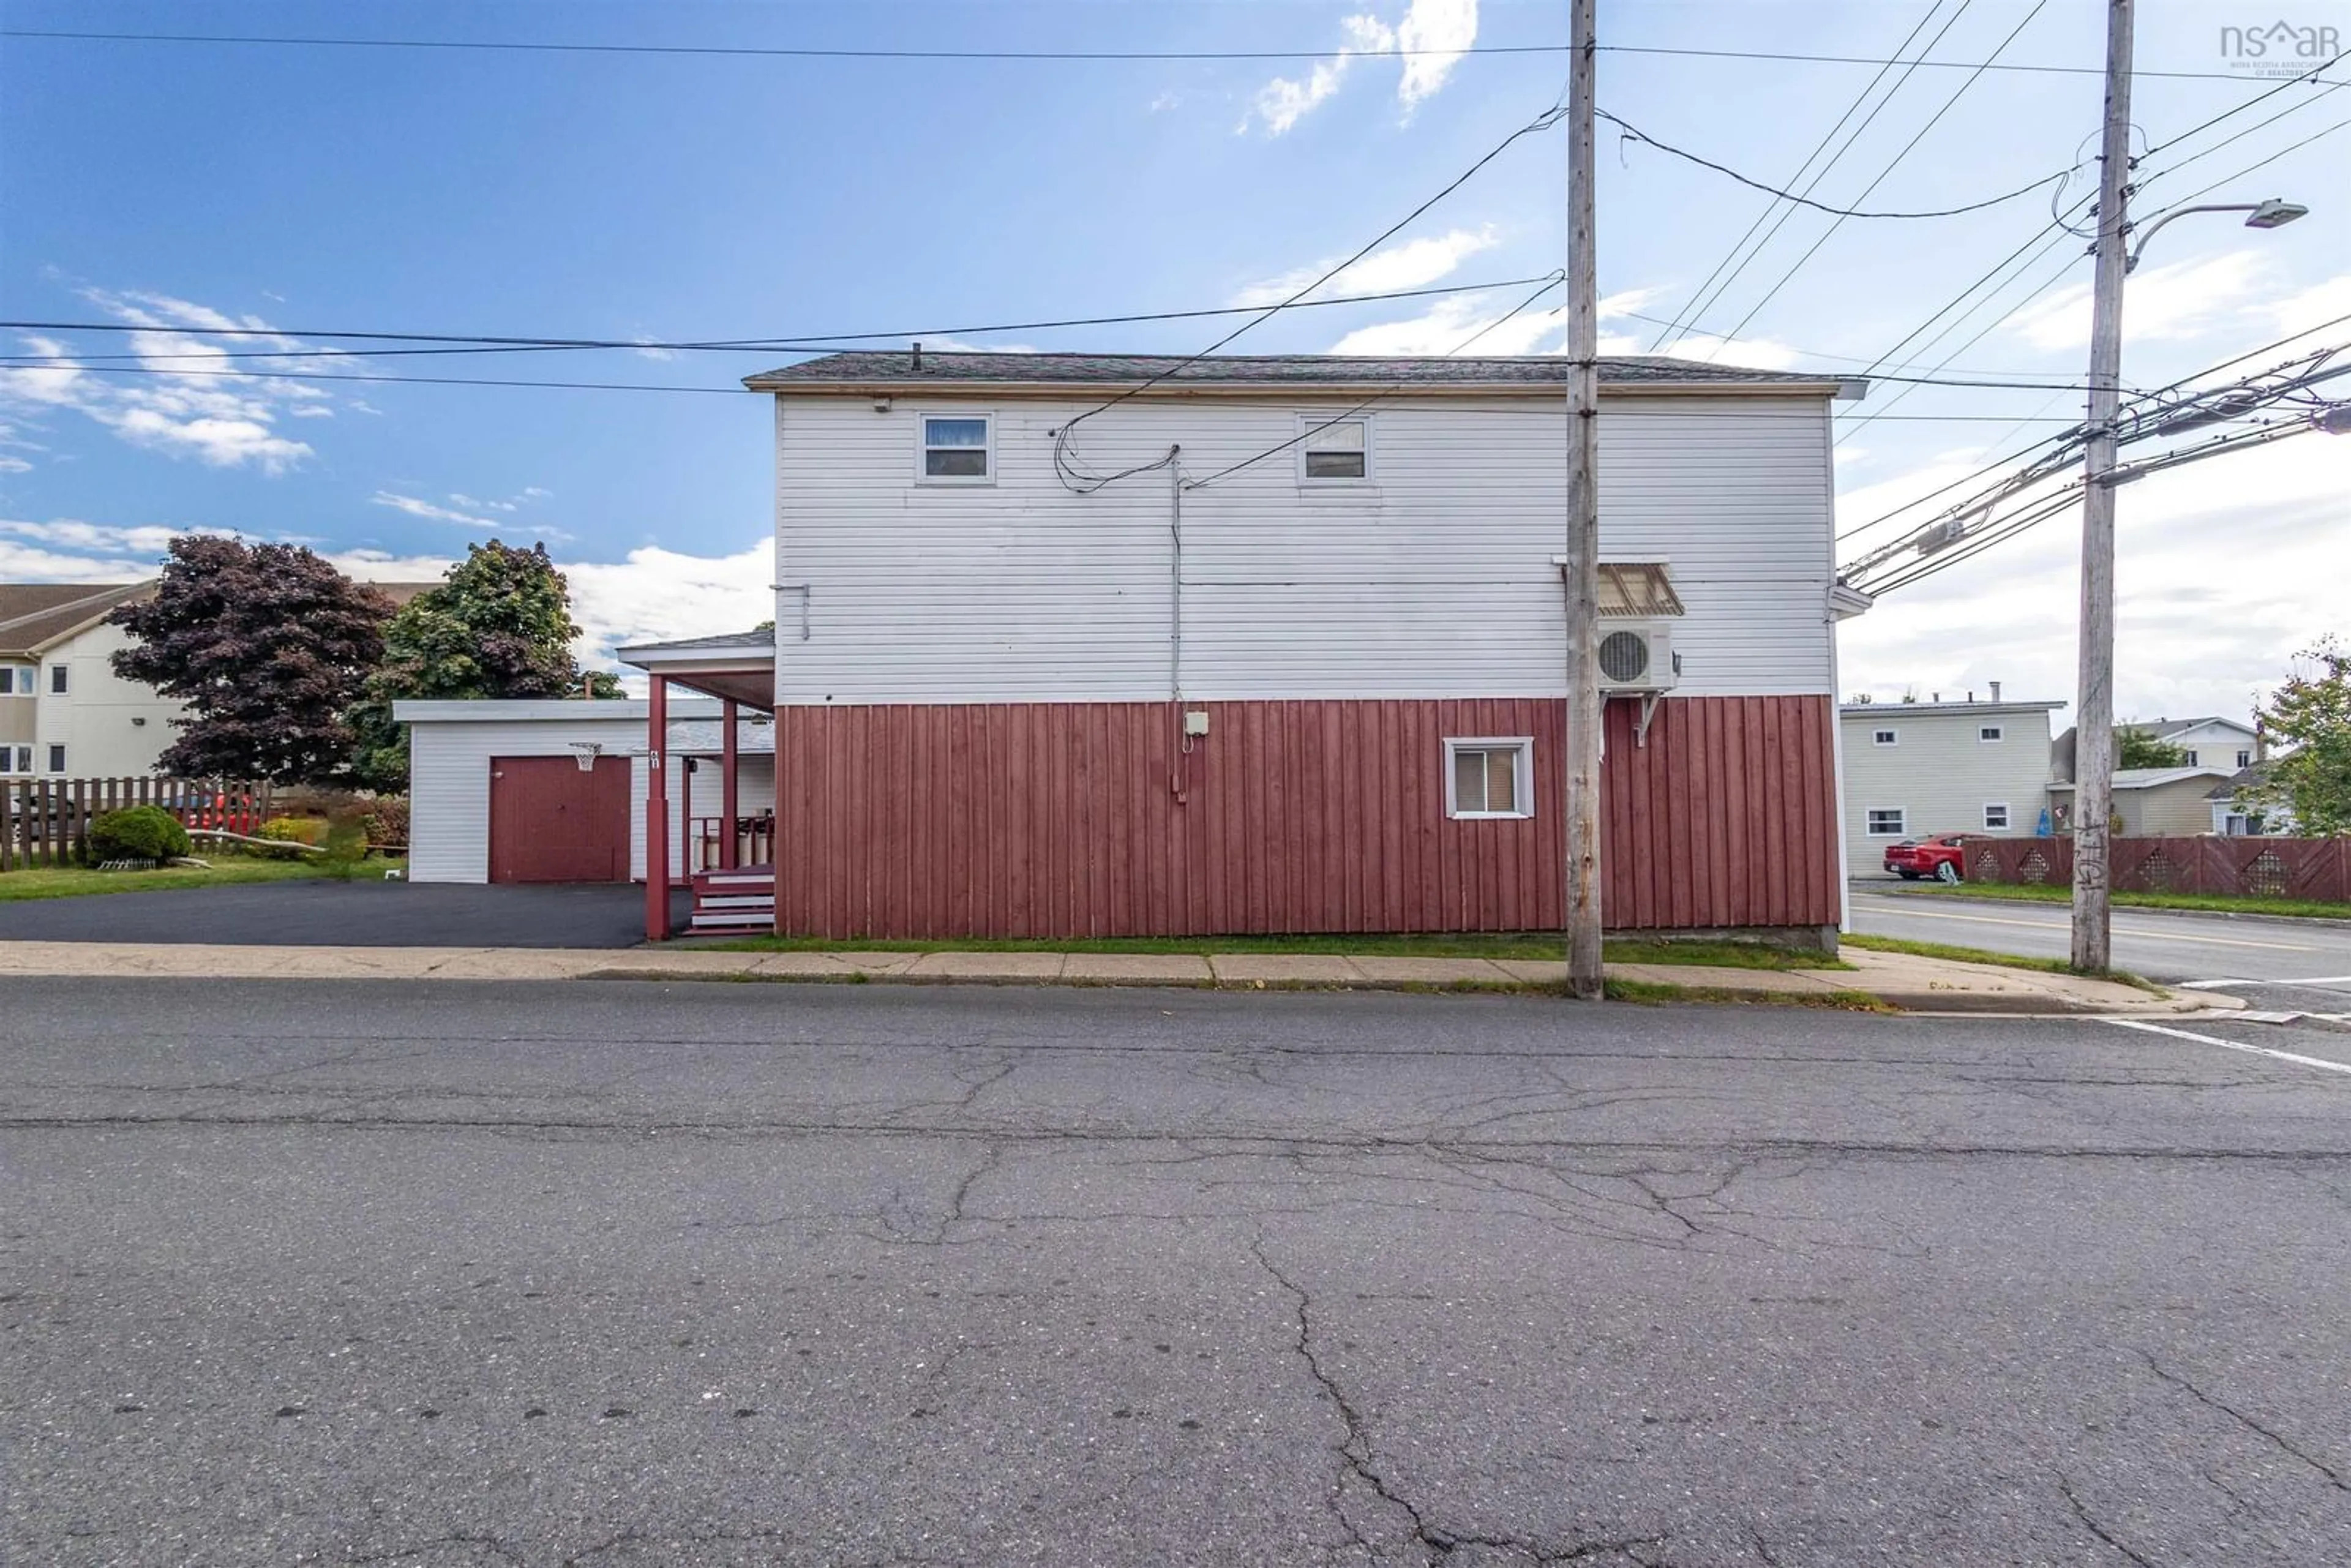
(2137, 748)
(267, 644)
(2311, 714)
(500, 626)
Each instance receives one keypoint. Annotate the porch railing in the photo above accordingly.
(754, 842)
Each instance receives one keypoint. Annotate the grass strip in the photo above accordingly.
(2208, 902)
(80, 881)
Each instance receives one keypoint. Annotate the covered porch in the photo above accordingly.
(726, 855)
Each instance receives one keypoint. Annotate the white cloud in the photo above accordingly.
(417, 506)
(1754, 353)
(1165, 100)
(1624, 302)
(649, 349)
(1408, 264)
(463, 500)
(14, 465)
(657, 593)
(180, 399)
(1449, 325)
(1443, 29)
(1283, 101)
(2185, 299)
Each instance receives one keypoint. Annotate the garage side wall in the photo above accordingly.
(449, 786)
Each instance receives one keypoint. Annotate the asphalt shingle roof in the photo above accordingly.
(34, 614)
(863, 368)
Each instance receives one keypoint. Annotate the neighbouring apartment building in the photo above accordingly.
(1100, 645)
(63, 710)
(1916, 768)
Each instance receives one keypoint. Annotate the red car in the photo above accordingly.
(1942, 856)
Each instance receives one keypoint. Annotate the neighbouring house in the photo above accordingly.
(1078, 646)
(63, 710)
(2221, 743)
(1915, 769)
(2234, 818)
(64, 713)
(2152, 802)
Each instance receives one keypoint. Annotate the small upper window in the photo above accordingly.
(2192, 760)
(56, 677)
(1885, 737)
(1989, 732)
(1334, 449)
(2244, 759)
(1996, 818)
(958, 448)
(1489, 778)
(7, 680)
(1886, 823)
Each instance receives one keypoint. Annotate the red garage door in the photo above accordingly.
(549, 821)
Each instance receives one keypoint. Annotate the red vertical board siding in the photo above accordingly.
(1050, 820)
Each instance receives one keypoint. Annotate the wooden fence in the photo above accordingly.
(46, 820)
(2314, 868)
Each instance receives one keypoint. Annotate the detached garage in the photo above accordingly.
(555, 791)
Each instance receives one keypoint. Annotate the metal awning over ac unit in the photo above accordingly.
(1633, 589)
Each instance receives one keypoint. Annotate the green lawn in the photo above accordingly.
(1493, 945)
(1986, 955)
(75, 882)
(2035, 892)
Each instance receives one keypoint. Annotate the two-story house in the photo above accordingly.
(63, 710)
(1912, 768)
(1099, 645)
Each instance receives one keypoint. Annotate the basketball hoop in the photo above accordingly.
(585, 752)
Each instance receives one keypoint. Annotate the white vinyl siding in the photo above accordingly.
(449, 781)
(1437, 581)
(1948, 779)
(1886, 823)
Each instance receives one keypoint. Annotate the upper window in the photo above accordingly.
(57, 759)
(1989, 732)
(958, 449)
(2244, 759)
(1334, 451)
(1886, 821)
(2192, 760)
(1885, 737)
(11, 683)
(1996, 818)
(1489, 777)
(56, 677)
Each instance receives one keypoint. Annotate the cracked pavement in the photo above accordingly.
(543, 1274)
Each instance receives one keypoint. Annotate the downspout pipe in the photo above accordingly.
(1175, 624)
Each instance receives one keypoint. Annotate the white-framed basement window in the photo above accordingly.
(956, 449)
(1996, 816)
(1489, 777)
(1991, 732)
(1334, 451)
(1886, 737)
(1886, 823)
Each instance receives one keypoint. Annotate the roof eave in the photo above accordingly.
(1827, 387)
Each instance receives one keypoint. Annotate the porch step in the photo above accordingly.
(762, 919)
(732, 881)
(762, 901)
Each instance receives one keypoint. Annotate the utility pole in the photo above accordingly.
(2094, 727)
(1583, 714)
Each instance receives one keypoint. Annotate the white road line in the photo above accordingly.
(2134, 933)
(2214, 985)
(2321, 983)
(2344, 1067)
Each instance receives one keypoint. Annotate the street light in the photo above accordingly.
(2093, 935)
(2272, 214)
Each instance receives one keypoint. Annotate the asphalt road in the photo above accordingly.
(633, 1274)
(2290, 964)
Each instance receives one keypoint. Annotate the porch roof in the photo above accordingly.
(740, 665)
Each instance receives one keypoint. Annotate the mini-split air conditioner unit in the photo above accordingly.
(1637, 659)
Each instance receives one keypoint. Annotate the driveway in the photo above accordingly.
(631, 1274)
(345, 915)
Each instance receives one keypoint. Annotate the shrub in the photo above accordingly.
(386, 822)
(138, 833)
(289, 830)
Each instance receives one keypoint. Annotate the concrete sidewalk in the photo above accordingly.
(1912, 984)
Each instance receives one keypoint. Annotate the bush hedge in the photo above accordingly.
(138, 833)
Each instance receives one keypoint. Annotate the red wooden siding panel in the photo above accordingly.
(1046, 820)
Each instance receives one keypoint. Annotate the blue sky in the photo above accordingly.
(625, 195)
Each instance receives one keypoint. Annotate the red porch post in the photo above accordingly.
(657, 811)
(731, 853)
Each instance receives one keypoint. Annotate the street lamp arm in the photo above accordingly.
(2272, 214)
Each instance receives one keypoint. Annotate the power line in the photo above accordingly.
(2258, 97)
(1700, 298)
(1080, 55)
(1934, 120)
(1636, 135)
(806, 342)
